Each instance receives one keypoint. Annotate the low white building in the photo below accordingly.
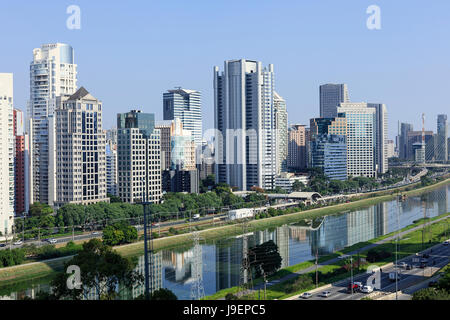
(286, 180)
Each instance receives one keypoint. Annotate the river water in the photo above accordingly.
(219, 262)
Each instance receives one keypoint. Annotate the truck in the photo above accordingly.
(393, 276)
(240, 214)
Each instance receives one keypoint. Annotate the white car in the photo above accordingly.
(306, 295)
(52, 241)
(325, 294)
(367, 289)
(401, 264)
(18, 243)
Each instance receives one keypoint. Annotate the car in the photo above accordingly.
(2, 245)
(95, 233)
(432, 283)
(402, 265)
(52, 241)
(408, 267)
(352, 286)
(367, 289)
(446, 242)
(306, 295)
(422, 266)
(359, 284)
(18, 243)
(423, 260)
(325, 294)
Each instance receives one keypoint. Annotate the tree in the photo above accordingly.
(431, 294)
(113, 198)
(38, 209)
(297, 186)
(102, 269)
(265, 258)
(119, 233)
(163, 294)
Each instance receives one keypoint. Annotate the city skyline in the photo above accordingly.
(397, 76)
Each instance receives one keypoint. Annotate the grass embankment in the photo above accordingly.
(409, 243)
(45, 268)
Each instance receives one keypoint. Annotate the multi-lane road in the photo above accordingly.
(438, 258)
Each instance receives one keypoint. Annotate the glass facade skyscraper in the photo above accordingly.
(329, 152)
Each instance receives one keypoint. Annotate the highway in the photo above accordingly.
(439, 254)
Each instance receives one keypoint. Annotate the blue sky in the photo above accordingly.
(129, 52)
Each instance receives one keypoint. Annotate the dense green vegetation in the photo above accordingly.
(119, 233)
(440, 292)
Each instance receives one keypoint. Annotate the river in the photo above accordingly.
(219, 262)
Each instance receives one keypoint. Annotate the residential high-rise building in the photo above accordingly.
(185, 105)
(381, 136)
(361, 138)
(297, 151)
(80, 156)
(281, 127)
(331, 95)
(53, 73)
(6, 154)
(111, 168)
(21, 165)
(391, 149)
(139, 157)
(403, 140)
(165, 129)
(245, 139)
(442, 136)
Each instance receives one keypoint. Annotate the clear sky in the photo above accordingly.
(129, 52)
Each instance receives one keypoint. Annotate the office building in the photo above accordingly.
(53, 73)
(185, 105)
(281, 127)
(381, 136)
(180, 180)
(405, 128)
(391, 153)
(442, 136)
(138, 157)
(331, 95)
(414, 137)
(286, 180)
(329, 152)
(6, 154)
(245, 139)
(361, 138)
(80, 155)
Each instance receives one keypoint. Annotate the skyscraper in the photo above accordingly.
(139, 157)
(53, 73)
(281, 127)
(80, 156)
(405, 128)
(21, 164)
(381, 136)
(442, 135)
(361, 140)
(297, 151)
(328, 146)
(185, 105)
(6, 154)
(331, 95)
(245, 126)
(111, 168)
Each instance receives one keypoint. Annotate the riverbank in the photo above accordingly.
(45, 268)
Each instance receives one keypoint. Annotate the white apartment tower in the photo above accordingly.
(138, 157)
(361, 138)
(245, 125)
(53, 73)
(281, 127)
(80, 156)
(6, 154)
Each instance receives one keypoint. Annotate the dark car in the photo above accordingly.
(422, 266)
(2, 245)
(408, 267)
(432, 283)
